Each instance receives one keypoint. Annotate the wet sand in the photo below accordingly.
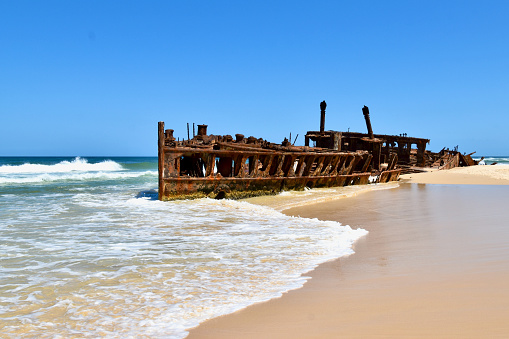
(434, 265)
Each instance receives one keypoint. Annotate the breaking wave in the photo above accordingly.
(499, 160)
(78, 169)
(76, 165)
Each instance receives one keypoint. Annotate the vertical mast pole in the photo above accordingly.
(160, 157)
(323, 106)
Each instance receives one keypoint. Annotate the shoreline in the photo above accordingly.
(399, 282)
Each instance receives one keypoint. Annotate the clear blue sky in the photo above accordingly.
(95, 77)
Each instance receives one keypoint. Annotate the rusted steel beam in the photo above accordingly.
(339, 164)
(469, 160)
(241, 147)
(267, 164)
(452, 162)
(421, 148)
(160, 142)
(319, 165)
(287, 169)
(279, 170)
(210, 162)
(326, 166)
(300, 166)
(393, 160)
(389, 175)
(389, 138)
(351, 166)
(365, 111)
(253, 166)
(308, 162)
(187, 151)
(240, 165)
(347, 165)
(367, 162)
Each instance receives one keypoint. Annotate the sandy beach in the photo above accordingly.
(473, 175)
(435, 264)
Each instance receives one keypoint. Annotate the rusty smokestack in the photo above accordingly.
(323, 106)
(365, 111)
(202, 130)
(239, 137)
(168, 134)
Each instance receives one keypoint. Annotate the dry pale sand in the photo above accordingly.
(473, 175)
(434, 265)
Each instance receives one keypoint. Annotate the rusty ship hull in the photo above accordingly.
(221, 167)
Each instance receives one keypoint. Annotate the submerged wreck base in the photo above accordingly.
(239, 188)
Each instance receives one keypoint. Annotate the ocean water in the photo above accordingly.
(500, 160)
(87, 250)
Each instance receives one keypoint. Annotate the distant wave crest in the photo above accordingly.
(498, 160)
(76, 165)
(78, 169)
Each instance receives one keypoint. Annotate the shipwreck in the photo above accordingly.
(220, 166)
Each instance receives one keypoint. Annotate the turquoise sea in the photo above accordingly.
(87, 250)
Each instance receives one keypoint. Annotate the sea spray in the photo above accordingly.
(78, 164)
(75, 170)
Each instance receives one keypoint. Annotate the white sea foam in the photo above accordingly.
(76, 165)
(292, 199)
(72, 176)
(91, 260)
(110, 265)
(78, 169)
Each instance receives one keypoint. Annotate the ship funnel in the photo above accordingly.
(323, 106)
(168, 134)
(202, 130)
(365, 111)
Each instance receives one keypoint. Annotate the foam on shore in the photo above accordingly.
(293, 199)
(87, 258)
